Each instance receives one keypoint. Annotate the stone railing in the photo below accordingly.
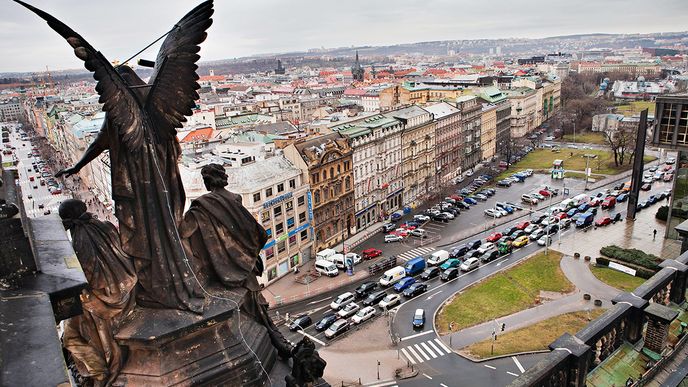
(573, 357)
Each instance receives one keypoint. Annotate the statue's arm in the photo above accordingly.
(94, 150)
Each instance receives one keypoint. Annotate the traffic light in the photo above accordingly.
(503, 326)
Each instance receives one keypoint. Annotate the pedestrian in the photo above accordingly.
(654, 234)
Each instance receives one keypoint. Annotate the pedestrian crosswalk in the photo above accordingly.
(424, 351)
(414, 253)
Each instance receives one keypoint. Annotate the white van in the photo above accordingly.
(325, 254)
(438, 257)
(392, 276)
(340, 259)
(326, 267)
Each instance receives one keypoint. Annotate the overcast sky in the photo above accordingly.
(247, 27)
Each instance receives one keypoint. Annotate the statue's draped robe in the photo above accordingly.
(109, 297)
(225, 241)
(149, 201)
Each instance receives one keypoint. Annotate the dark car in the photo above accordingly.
(441, 217)
(430, 272)
(458, 251)
(516, 234)
(325, 321)
(489, 256)
(374, 298)
(340, 326)
(300, 323)
(552, 229)
(504, 183)
(462, 205)
(415, 289)
(616, 217)
(475, 244)
(538, 219)
(449, 274)
(510, 230)
(365, 288)
(387, 227)
(646, 187)
(472, 254)
(395, 216)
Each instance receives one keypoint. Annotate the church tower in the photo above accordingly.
(356, 70)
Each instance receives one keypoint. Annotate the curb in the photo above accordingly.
(478, 361)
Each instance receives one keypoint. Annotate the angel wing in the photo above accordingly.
(121, 105)
(174, 80)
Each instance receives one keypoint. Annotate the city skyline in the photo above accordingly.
(270, 27)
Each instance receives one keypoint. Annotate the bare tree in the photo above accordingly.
(621, 141)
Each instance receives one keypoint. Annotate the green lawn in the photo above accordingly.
(586, 138)
(541, 159)
(635, 107)
(535, 337)
(505, 293)
(615, 278)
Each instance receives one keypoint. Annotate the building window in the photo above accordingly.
(272, 273)
(256, 197)
(317, 197)
(324, 174)
(269, 252)
(302, 217)
(294, 260)
(280, 187)
(292, 183)
(304, 235)
(279, 228)
(289, 205)
(301, 200)
(278, 211)
(265, 216)
(290, 223)
(292, 240)
(281, 247)
(268, 192)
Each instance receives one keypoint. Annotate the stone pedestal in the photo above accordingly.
(658, 319)
(171, 347)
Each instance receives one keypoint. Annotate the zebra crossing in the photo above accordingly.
(424, 351)
(414, 253)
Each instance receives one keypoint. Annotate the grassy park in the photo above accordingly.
(535, 337)
(635, 107)
(615, 278)
(586, 138)
(505, 293)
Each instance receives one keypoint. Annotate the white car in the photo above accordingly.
(544, 239)
(342, 300)
(363, 315)
(501, 211)
(389, 238)
(470, 173)
(389, 301)
(348, 310)
(421, 218)
(487, 246)
(354, 257)
(450, 216)
(493, 213)
(470, 264)
(670, 160)
(419, 232)
(530, 228)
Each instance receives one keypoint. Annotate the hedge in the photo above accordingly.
(662, 213)
(633, 256)
(639, 271)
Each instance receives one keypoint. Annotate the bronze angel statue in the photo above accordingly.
(140, 134)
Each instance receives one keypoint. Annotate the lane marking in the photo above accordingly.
(407, 356)
(490, 367)
(313, 338)
(429, 350)
(427, 376)
(443, 385)
(518, 364)
(390, 383)
(418, 348)
(439, 353)
(433, 295)
(410, 348)
(511, 373)
(416, 335)
(315, 302)
(441, 344)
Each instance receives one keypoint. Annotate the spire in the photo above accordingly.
(356, 56)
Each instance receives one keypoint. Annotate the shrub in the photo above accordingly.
(633, 256)
(602, 261)
(662, 213)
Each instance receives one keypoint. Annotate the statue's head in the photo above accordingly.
(71, 210)
(214, 176)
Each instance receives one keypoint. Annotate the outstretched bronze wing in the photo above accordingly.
(174, 80)
(121, 105)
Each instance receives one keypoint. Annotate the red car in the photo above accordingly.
(545, 193)
(523, 225)
(594, 202)
(371, 253)
(561, 215)
(408, 227)
(605, 220)
(667, 168)
(668, 176)
(494, 237)
(457, 197)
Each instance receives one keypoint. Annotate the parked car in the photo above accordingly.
(300, 322)
(470, 201)
(337, 328)
(458, 251)
(603, 221)
(430, 272)
(421, 218)
(474, 244)
(395, 216)
(371, 253)
(365, 288)
(449, 274)
(325, 322)
(668, 177)
(486, 247)
(415, 289)
(510, 230)
(489, 256)
(419, 232)
(342, 300)
(387, 227)
(389, 238)
(616, 217)
(522, 225)
(545, 239)
(453, 262)
(493, 212)
(404, 283)
(389, 301)
(565, 223)
(374, 298)
(470, 264)
(535, 235)
(364, 314)
(348, 310)
(494, 237)
(441, 217)
(520, 241)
